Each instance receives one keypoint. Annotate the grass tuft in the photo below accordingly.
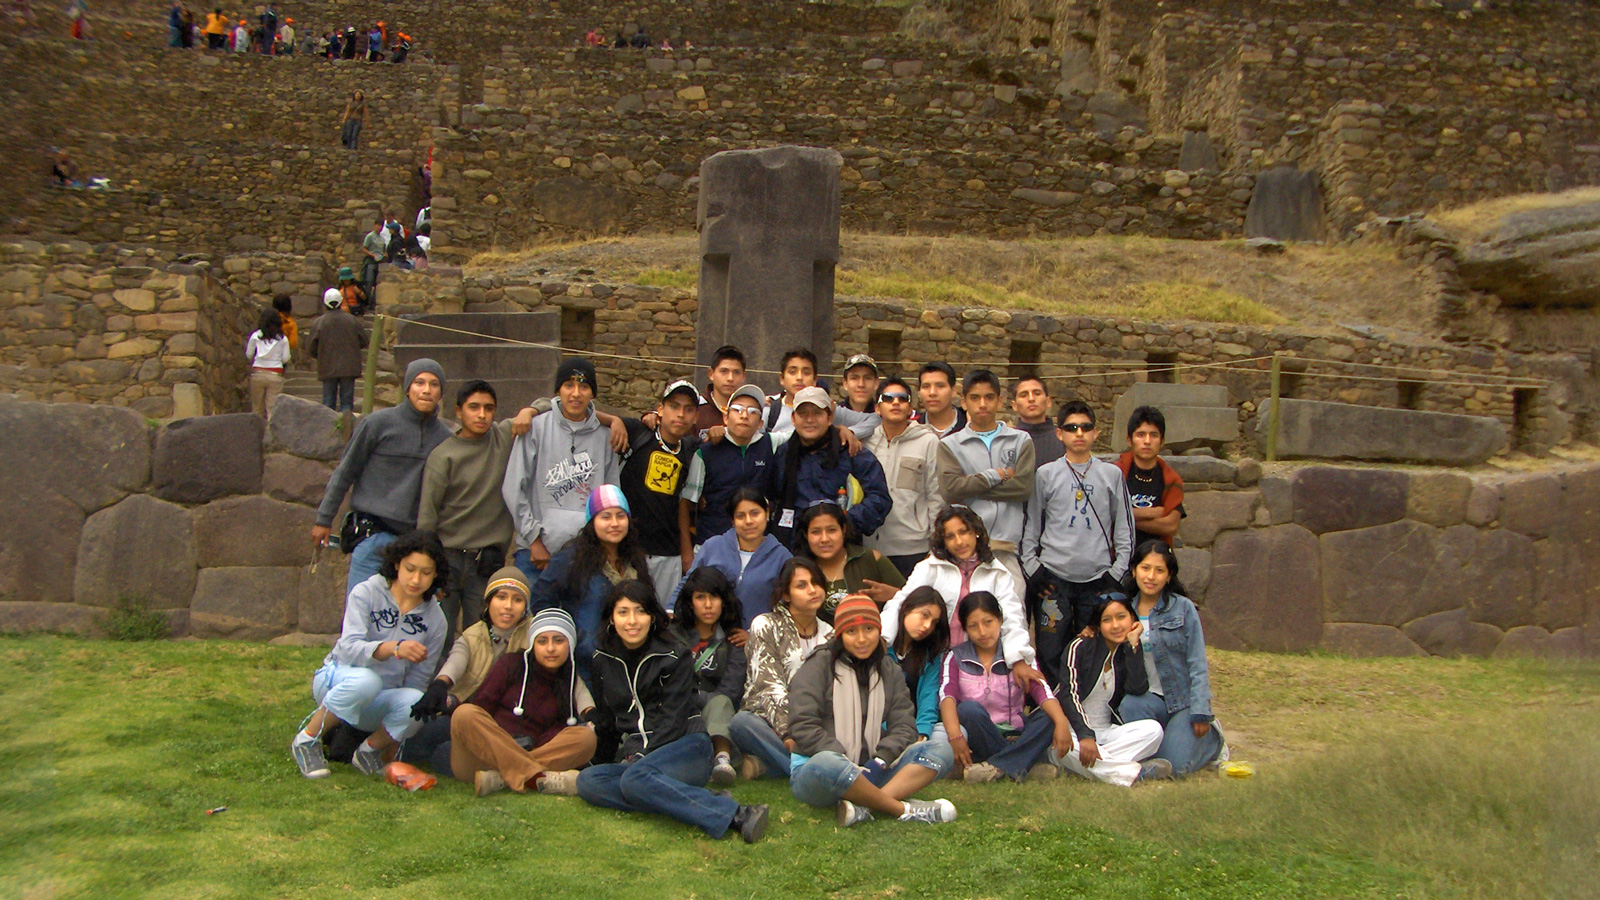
(130, 619)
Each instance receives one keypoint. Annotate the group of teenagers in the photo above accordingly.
(857, 596)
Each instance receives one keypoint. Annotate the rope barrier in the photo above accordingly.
(1109, 368)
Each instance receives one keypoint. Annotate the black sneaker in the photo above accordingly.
(751, 822)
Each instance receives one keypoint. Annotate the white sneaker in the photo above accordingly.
(723, 773)
(847, 814)
(488, 781)
(933, 812)
(982, 773)
(563, 783)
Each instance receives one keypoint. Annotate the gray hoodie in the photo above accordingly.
(1078, 533)
(382, 467)
(968, 473)
(552, 470)
(371, 618)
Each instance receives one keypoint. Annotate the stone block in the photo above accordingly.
(1567, 579)
(1483, 505)
(1452, 633)
(1212, 512)
(208, 457)
(1333, 499)
(1286, 205)
(1317, 429)
(140, 548)
(24, 617)
(1393, 573)
(1194, 570)
(38, 543)
(769, 242)
(92, 455)
(320, 606)
(1277, 497)
(1359, 639)
(306, 428)
(1524, 640)
(1532, 504)
(1196, 414)
(253, 531)
(1203, 469)
(1266, 588)
(1438, 498)
(187, 401)
(251, 603)
(295, 479)
(1500, 587)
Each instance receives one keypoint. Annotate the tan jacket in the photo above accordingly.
(482, 653)
(775, 655)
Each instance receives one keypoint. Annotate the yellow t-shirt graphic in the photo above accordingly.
(662, 474)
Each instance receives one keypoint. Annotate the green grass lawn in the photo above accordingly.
(1376, 778)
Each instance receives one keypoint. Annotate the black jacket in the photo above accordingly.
(719, 669)
(646, 706)
(1080, 669)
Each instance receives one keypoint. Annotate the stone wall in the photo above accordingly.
(206, 520)
(657, 324)
(1393, 562)
(118, 325)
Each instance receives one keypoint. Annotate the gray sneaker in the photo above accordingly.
(487, 781)
(308, 756)
(933, 812)
(982, 773)
(847, 814)
(1156, 769)
(367, 762)
(723, 773)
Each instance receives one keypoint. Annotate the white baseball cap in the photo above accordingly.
(331, 298)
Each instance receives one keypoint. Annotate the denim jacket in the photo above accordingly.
(1179, 648)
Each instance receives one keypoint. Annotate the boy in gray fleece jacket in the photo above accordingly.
(382, 470)
(555, 466)
(1078, 537)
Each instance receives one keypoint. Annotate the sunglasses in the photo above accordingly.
(894, 398)
(1075, 427)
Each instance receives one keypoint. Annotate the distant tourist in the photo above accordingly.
(335, 340)
(355, 118)
(63, 171)
(216, 30)
(268, 352)
(355, 297)
(373, 247)
(78, 14)
(175, 24)
(285, 307)
(593, 39)
(241, 38)
(402, 48)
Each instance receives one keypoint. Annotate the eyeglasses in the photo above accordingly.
(894, 398)
(744, 410)
(1075, 427)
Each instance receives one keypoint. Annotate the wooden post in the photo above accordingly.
(369, 375)
(1274, 416)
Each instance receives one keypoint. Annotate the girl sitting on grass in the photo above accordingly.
(1099, 671)
(706, 614)
(385, 656)
(502, 630)
(654, 752)
(780, 641)
(855, 730)
(520, 729)
(919, 650)
(1175, 662)
(982, 708)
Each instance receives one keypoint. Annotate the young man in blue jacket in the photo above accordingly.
(816, 465)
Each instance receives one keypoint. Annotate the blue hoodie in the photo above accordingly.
(550, 591)
(754, 585)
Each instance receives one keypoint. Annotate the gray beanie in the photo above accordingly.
(419, 366)
(556, 620)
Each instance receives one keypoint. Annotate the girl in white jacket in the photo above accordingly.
(961, 562)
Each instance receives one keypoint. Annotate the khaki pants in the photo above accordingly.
(264, 389)
(477, 742)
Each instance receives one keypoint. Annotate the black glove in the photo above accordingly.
(435, 701)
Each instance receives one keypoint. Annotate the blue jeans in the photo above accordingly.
(339, 394)
(752, 735)
(823, 779)
(1179, 746)
(429, 746)
(1013, 756)
(366, 559)
(669, 781)
(356, 695)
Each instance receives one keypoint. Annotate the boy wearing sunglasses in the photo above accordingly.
(909, 453)
(1078, 537)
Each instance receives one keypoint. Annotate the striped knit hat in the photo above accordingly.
(607, 496)
(857, 609)
(508, 577)
(556, 620)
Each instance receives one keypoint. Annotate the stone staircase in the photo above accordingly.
(520, 374)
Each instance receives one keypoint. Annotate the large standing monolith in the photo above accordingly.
(769, 241)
